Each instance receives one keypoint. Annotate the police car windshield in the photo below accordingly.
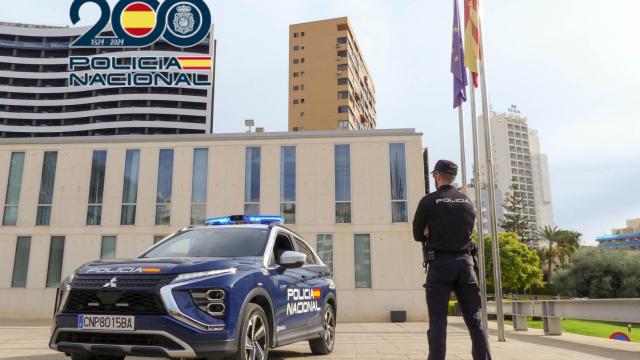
(213, 242)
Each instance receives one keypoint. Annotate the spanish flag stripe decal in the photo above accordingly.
(195, 62)
(138, 19)
(138, 7)
(316, 293)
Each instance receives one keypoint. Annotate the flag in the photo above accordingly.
(138, 19)
(457, 61)
(472, 38)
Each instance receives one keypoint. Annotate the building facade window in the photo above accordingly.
(165, 186)
(324, 247)
(343, 81)
(362, 251)
(343, 109)
(342, 160)
(343, 94)
(21, 262)
(398, 173)
(296, 87)
(14, 185)
(342, 40)
(252, 181)
(56, 255)
(130, 187)
(296, 48)
(47, 181)
(296, 74)
(296, 61)
(199, 185)
(288, 183)
(342, 67)
(295, 101)
(108, 247)
(96, 187)
(342, 53)
(158, 238)
(343, 124)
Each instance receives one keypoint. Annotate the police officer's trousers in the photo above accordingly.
(454, 272)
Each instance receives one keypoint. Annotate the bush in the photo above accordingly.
(599, 274)
(452, 308)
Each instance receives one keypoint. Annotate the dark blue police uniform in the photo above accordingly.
(449, 216)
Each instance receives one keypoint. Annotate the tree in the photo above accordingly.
(560, 246)
(516, 220)
(520, 265)
(598, 273)
(570, 240)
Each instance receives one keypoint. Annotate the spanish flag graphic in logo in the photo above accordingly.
(195, 62)
(138, 19)
(316, 294)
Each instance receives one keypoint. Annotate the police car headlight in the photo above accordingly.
(201, 274)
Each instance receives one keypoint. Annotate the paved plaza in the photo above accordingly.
(377, 341)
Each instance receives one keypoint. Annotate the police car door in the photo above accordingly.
(317, 282)
(284, 283)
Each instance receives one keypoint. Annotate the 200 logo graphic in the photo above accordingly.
(139, 23)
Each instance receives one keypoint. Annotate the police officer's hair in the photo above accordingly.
(448, 178)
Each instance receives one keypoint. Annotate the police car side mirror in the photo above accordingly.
(292, 259)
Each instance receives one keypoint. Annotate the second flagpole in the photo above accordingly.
(463, 162)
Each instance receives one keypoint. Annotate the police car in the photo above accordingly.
(236, 287)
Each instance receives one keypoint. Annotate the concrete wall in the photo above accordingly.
(397, 276)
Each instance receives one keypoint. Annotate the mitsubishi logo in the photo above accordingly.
(111, 283)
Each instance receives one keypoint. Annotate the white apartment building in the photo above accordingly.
(517, 160)
(65, 201)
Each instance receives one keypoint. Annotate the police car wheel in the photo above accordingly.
(324, 345)
(254, 335)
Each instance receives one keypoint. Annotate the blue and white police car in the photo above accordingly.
(236, 287)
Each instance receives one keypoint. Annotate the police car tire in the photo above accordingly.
(319, 346)
(251, 311)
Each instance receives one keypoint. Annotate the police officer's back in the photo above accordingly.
(444, 222)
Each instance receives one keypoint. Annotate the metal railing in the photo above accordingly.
(552, 311)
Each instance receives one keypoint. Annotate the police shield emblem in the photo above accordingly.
(183, 20)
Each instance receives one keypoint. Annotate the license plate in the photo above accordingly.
(106, 322)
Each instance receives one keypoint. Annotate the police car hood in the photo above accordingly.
(164, 265)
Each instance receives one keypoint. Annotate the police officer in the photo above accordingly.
(444, 222)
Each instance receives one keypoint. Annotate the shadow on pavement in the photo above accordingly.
(284, 354)
(557, 341)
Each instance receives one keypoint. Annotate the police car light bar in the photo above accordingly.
(245, 219)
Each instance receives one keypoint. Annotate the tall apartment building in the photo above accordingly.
(36, 99)
(330, 86)
(517, 160)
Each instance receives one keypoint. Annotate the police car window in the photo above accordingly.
(213, 242)
(303, 248)
(282, 244)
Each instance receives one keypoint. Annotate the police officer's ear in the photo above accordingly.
(426, 232)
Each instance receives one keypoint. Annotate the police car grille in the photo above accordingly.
(113, 302)
(118, 339)
(122, 281)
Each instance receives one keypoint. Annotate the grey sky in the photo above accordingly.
(571, 66)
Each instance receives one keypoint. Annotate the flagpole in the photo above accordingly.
(463, 162)
(477, 185)
(490, 185)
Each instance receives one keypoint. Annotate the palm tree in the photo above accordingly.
(561, 245)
